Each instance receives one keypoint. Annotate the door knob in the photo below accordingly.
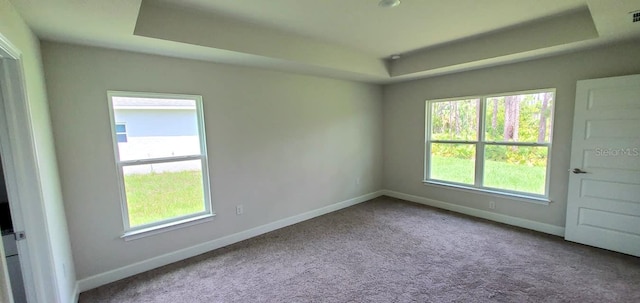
(578, 171)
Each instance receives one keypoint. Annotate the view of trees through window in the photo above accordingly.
(514, 135)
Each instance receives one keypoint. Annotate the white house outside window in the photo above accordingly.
(495, 143)
(121, 132)
(161, 159)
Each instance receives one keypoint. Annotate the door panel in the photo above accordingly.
(603, 204)
(626, 98)
(609, 220)
(610, 129)
(593, 159)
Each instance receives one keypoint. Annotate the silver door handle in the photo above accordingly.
(578, 171)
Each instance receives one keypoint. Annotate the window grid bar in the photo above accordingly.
(519, 144)
(479, 165)
(454, 141)
(493, 143)
(160, 160)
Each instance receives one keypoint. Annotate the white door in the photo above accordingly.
(603, 204)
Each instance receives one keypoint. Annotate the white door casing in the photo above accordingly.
(603, 202)
(23, 179)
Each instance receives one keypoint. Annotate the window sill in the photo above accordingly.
(493, 193)
(158, 229)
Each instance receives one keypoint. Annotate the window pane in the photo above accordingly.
(121, 128)
(121, 138)
(519, 118)
(517, 168)
(455, 120)
(156, 192)
(453, 162)
(157, 128)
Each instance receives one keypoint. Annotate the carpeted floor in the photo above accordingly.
(387, 250)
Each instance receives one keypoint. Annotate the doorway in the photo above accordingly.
(22, 180)
(9, 245)
(15, 251)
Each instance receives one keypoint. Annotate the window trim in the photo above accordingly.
(480, 145)
(140, 231)
(489, 192)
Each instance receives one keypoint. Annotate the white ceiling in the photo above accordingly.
(348, 39)
(362, 25)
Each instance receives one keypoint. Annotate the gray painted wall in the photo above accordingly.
(404, 105)
(280, 144)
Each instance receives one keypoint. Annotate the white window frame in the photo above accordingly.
(132, 233)
(480, 144)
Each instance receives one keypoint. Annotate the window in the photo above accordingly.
(121, 132)
(497, 143)
(161, 156)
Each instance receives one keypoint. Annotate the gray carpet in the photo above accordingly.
(387, 250)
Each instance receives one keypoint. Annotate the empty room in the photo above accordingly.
(319, 151)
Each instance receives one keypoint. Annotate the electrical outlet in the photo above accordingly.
(239, 210)
(492, 205)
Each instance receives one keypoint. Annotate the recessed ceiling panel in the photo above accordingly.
(361, 24)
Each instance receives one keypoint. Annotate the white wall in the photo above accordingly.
(54, 223)
(404, 122)
(281, 144)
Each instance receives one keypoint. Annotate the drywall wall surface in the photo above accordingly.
(404, 113)
(177, 24)
(280, 144)
(546, 33)
(13, 28)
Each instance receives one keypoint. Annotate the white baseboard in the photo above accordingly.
(136, 268)
(515, 221)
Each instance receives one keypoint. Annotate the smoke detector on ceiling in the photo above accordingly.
(388, 3)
